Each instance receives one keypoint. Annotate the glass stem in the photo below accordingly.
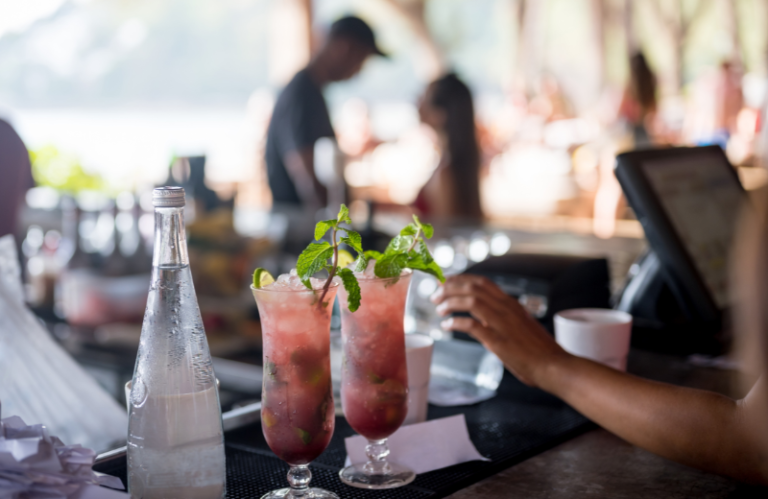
(299, 477)
(377, 452)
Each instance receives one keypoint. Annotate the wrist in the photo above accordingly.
(553, 374)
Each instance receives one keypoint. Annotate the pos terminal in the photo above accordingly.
(688, 201)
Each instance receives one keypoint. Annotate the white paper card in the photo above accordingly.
(424, 446)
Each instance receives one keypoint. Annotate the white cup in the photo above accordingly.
(598, 334)
(418, 356)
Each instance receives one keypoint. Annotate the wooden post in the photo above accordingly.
(290, 39)
(433, 63)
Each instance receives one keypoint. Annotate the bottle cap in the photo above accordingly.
(168, 197)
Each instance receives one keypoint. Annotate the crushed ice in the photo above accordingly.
(291, 282)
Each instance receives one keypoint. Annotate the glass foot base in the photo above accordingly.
(310, 493)
(363, 476)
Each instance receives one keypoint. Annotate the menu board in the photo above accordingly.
(702, 199)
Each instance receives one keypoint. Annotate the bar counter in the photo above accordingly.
(598, 464)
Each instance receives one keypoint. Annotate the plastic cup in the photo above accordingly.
(598, 334)
(418, 356)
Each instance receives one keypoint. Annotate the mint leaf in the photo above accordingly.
(416, 262)
(304, 435)
(270, 369)
(390, 265)
(343, 215)
(354, 240)
(373, 254)
(313, 259)
(399, 244)
(353, 288)
(423, 251)
(426, 229)
(322, 227)
(362, 263)
(408, 250)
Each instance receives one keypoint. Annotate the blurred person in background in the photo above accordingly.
(15, 177)
(300, 116)
(639, 104)
(695, 427)
(729, 100)
(637, 116)
(453, 190)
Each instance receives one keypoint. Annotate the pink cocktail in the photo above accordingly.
(297, 412)
(374, 379)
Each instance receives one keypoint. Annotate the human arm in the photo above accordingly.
(300, 165)
(694, 427)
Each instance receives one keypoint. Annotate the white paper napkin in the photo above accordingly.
(37, 465)
(424, 446)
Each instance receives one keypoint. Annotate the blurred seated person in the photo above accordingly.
(300, 116)
(15, 177)
(694, 427)
(453, 190)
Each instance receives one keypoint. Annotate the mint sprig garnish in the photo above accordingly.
(316, 255)
(408, 250)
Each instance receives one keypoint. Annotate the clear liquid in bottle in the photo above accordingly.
(175, 436)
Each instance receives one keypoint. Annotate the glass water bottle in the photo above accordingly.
(175, 436)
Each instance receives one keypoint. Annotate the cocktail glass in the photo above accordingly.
(297, 413)
(374, 378)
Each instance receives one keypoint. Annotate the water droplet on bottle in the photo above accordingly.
(139, 392)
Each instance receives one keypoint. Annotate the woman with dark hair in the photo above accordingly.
(453, 191)
(638, 107)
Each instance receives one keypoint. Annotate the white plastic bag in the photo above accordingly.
(40, 382)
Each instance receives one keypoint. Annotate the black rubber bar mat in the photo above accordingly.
(518, 423)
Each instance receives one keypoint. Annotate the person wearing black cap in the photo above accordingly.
(300, 116)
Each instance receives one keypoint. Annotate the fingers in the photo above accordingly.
(468, 284)
(466, 325)
(479, 309)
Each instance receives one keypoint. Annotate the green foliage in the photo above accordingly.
(63, 172)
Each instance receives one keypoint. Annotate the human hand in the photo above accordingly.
(500, 324)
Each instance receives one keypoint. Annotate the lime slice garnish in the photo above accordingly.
(262, 278)
(345, 258)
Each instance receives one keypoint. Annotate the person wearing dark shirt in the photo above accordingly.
(15, 177)
(300, 116)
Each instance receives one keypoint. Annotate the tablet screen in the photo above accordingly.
(702, 199)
